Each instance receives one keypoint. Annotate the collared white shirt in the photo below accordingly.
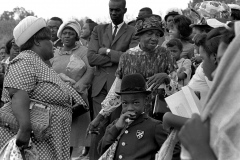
(119, 27)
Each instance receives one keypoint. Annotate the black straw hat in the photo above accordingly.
(133, 83)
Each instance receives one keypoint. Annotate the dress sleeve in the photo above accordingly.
(119, 71)
(112, 100)
(187, 65)
(20, 74)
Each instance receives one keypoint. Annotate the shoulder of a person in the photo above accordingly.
(153, 121)
(81, 51)
(24, 56)
(101, 26)
(130, 28)
(25, 59)
(82, 48)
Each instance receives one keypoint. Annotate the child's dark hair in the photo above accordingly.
(235, 14)
(175, 42)
(183, 25)
(210, 45)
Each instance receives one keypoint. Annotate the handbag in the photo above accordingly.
(110, 152)
(166, 151)
(40, 116)
(10, 151)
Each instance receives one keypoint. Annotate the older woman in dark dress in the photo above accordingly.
(154, 62)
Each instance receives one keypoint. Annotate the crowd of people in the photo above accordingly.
(105, 85)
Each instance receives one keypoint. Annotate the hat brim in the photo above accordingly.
(25, 30)
(173, 14)
(149, 29)
(133, 92)
(194, 25)
(216, 23)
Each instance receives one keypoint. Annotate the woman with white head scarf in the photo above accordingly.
(71, 61)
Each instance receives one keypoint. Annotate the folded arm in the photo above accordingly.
(94, 58)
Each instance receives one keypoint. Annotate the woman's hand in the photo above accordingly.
(157, 79)
(23, 138)
(94, 126)
(121, 123)
(166, 125)
(65, 78)
(195, 137)
(173, 121)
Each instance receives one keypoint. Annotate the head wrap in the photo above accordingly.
(70, 23)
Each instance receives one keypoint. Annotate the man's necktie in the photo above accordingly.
(115, 31)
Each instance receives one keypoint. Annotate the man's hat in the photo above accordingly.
(133, 83)
(149, 22)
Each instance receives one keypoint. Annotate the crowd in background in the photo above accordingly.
(118, 71)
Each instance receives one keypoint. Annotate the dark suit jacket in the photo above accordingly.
(107, 65)
(130, 146)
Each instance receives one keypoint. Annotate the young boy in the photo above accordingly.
(139, 136)
(184, 65)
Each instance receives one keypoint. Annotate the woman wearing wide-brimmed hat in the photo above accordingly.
(154, 62)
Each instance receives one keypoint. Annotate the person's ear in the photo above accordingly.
(36, 42)
(125, 10)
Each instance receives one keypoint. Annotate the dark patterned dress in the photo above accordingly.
(29, 73)
(135, 60)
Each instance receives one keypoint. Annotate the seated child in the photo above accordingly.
(138, 136)
(184, 65)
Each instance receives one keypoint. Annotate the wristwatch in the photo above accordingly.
(108, 51)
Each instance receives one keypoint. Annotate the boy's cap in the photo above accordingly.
(133, 83)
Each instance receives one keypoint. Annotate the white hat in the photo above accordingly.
(216, 23)
(27, 28)
(234, 6)
(70, 23)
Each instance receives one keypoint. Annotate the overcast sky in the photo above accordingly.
(95, 9)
